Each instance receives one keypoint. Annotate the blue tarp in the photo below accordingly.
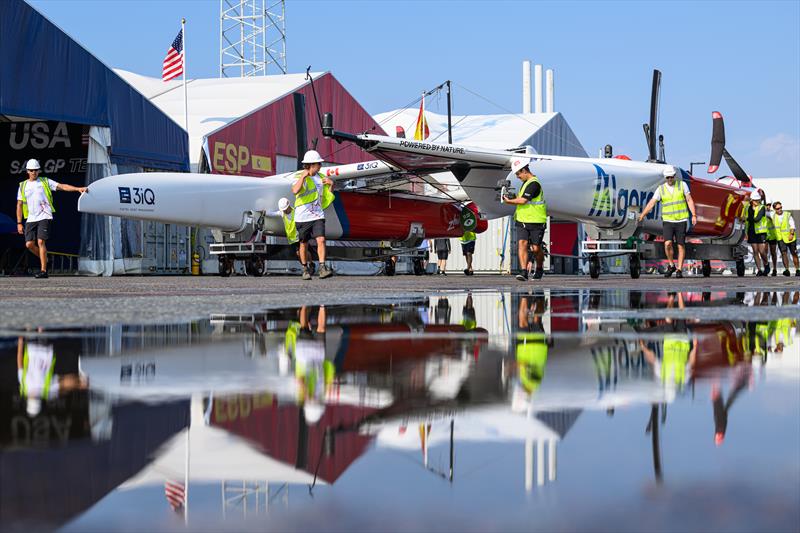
(44, 74)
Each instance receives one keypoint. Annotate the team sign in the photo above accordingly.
(439, 148)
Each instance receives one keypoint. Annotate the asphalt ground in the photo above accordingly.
(86, 301)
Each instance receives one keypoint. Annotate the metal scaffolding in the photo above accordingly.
(252, 37)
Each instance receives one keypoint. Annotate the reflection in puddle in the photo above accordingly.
(294, 412)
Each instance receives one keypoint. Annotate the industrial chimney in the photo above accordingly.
(550, 89)
(526, 87)
(538, 88)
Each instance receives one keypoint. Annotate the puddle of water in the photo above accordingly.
(579, 410)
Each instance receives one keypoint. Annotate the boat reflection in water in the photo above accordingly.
(264, 405)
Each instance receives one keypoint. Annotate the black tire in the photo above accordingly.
(594, 266)
(417, 264)
(706, 268)
(635, 266)
(740, 268)
(225, 267)
(255, 266)
(388, 267)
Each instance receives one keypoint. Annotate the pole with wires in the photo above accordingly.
(449, 116)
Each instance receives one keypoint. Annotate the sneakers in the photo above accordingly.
(468, 272)
(522, 276)
(41, 275)
(797, 272)
(325, 272)
(679, 273)
(671, 270)
(760, 274)
(306, 273)
(774, 272)
(787, 273)
(766, 270)
(538, 274)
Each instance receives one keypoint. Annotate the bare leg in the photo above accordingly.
(321, 249)
(42, 254)
(785, 257)
(773, 251)
(522, 251)
(757, 256)
(795, 260)
(681, 255)
(468, 257)
(303, 252)
(668, 252)
(538, 254)
(31, 246)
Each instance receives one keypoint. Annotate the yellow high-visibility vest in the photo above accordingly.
(47, 192)
(533, 211)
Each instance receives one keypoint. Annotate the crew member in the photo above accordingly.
(676, 204)
(787, 242)
(757, 232)
(468, 249)
(442, 248)
(287, 214)
(531, 343)
(773, 236)
(35, 204)
(531, 218)
(313, 193)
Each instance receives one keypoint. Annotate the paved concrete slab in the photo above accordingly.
(73, 301)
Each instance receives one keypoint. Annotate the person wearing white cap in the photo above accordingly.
(676, 204)
(531, 218)
(313, 193)
(757, 232)
(35, 204)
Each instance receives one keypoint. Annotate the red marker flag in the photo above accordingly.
(421, 131)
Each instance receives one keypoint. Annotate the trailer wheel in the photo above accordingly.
(635, 266)
(225, 266)
(255, 266)
(740, 267)
(594, 266)
(706, 268)
(388, 267)
(417, 264)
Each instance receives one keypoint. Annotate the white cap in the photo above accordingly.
(313, 411)
(312, 156)
(34, 406)
(755, 196)
(669, 171)
(518, 163)
(283, 204)
(33, 164)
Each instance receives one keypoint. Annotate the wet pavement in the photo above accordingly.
(517, 409)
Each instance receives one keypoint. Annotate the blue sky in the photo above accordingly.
(741, 58)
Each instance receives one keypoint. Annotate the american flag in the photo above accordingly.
(175, 493)
(173, 63)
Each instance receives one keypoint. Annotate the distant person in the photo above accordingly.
(468, 249)
(530, 217)
(676, 204)
(286, 211)
(679, 350)
(35, 205)
(313, 192)
(784, 222)
(755, 218)
(442, 311)
(38, 377)
(442, 248)
(773, 236)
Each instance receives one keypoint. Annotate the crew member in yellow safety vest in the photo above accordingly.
(531, 342)
(314, 373)
(773, 236)
(783, 333)
(35, 205)
(468, 249)
(36, 373)
(787, 242)
(312, 195)
(530, 218)
(679, 354)
(756, 220)
(676, 204)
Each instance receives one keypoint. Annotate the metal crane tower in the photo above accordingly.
(252, 37)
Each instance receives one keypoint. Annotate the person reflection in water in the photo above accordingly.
(442, 312)
(38, 375)
(742, 376)
(314, 374)
(678, 349)
(531, 342)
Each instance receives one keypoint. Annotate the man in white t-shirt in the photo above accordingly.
(676, 205)
(312, 192)
(35, 204)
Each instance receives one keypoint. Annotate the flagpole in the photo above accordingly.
(422, 126)
(185, 102)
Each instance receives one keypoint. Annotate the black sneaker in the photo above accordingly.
(679, 274)
(466, 272)
(787, 273)
(766, 270)
(774, 272)
(522, 276)
(41, 275)
(670, 270)
(797, 272)
(760, 274)
(538, 274)
(444, 273)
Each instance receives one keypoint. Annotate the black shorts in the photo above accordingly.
(757, 238)
(442, 254)
(790, 246)
(772, 242)
(675, 232)
(37, 230)
(468, 247)
(310, 230)
(531, 232)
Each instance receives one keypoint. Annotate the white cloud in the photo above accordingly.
(782, 147)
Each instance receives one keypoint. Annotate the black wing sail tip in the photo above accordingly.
(717, 141)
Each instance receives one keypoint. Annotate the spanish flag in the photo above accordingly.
(421, 131)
